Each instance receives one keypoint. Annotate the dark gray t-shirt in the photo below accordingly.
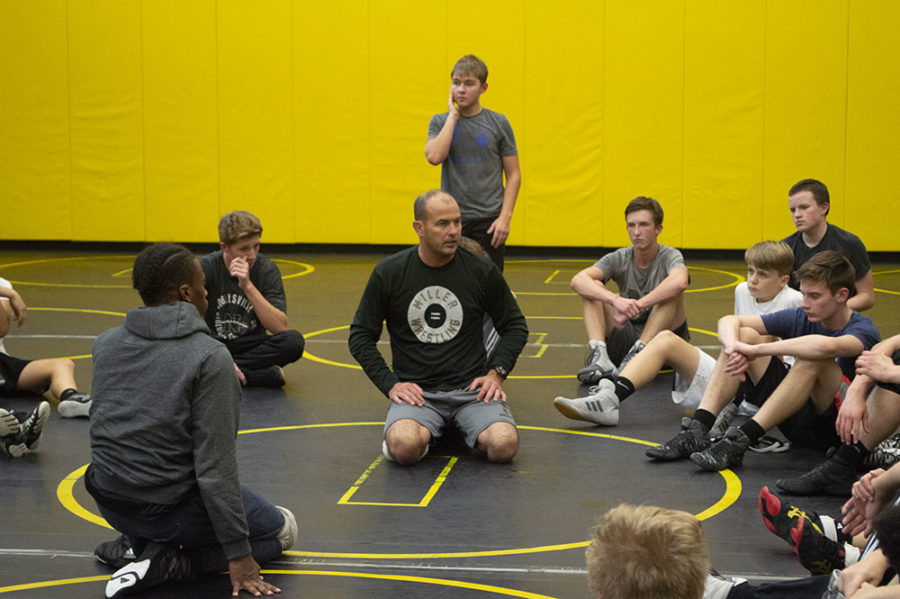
(473, 170)
(230, 314)
(635, 282)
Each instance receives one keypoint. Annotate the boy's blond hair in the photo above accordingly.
(771, 255)
(238, 225)
(647, 552)
(470, 65)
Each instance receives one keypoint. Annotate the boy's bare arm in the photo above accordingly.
(271, 317)
(809, 347)
(674, 283)
(14, 309)
(437, 148)
(500, 227)
(865, 293)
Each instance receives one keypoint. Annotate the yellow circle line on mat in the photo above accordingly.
(530, 377)
(307, 269)
(64, 493)
(393, 577)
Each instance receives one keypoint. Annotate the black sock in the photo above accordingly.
(707, 419)
(67, 394)
(624, 387)
(853, 454)
(753, 430)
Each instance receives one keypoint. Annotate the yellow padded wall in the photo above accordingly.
(723, 122)
(563, 121)
(332, 121)
(497, 36)
(107, 144)
(806, 102)
(34, 121)
(873, 124)
(406, 52)
(255, 86)
(138, 120)
(180, 120)
(643, 130)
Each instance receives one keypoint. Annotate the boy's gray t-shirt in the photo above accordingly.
(635, 282)
(473, 170)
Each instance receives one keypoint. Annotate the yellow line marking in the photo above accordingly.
(737, 279)
(307, 269)
(550, 278)
(398, 577)
(67, 498)
(52, 583)
(887, 291)
(732, 492)
(81, 310)
(542, 347)
(438, 482)
(419, 579)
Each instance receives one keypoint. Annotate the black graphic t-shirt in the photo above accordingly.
(230, 314)
(435, 321)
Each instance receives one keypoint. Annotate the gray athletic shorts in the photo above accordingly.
(459, 408)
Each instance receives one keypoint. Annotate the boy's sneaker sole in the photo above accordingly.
(77, 405)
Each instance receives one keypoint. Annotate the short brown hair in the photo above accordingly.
(238, 225)
(816, 188)
(830, 268)
(470, 65)
(645, 203)
(647, 552)
(771, 255)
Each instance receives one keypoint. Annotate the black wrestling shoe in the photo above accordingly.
(692, 438)
(834, 476)
(118, 553)
(156, 565)
(727, 452)
(33, 426)
(272, 376)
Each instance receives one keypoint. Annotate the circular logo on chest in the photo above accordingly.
(435, 315)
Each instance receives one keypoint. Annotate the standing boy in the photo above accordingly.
(476, 148)
(246, 303)
(651, 280)
(824, 335)
(769, 266)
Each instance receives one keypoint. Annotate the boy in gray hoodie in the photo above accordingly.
(163, 459)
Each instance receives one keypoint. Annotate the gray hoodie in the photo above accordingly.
(165, 416)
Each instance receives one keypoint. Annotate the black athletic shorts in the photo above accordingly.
(10, 369)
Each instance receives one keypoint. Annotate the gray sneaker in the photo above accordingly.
(723, 421)
(597, 366)
(694, 436)
(601, 406)
(635, 350)
(9, 424)
(728, 452)
(76, 405)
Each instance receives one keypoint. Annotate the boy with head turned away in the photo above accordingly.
(164, 469)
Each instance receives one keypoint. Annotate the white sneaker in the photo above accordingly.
(601, 406)
(77, 405)
(287, 536)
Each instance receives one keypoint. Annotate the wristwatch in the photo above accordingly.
(501, 371)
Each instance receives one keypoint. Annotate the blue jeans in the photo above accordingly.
(188, 525)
